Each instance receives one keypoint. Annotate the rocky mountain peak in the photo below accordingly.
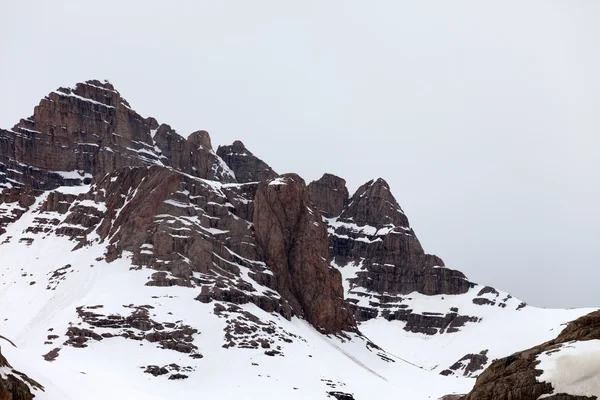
(101, 92)
(238, 145)
(83, 133)
(245, 165)
(303, 234)
(200, 139)
(329, 194)
(374, 204)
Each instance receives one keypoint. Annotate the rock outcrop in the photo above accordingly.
(194, 155)
(516, 377)
(245, 165)
(291, 233)
(15, 385)
(329, 194)
(469, 365)
(370, 238)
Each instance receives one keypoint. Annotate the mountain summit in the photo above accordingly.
(152, 265)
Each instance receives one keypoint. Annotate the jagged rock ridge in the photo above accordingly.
(91, 134)
(250, 249)
(76, 134)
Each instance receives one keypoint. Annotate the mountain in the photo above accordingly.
(136, 263)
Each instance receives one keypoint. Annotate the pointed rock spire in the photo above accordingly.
(373, 204)
(329, 194)
(245, 165)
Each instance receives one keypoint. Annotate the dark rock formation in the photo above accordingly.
(292, 235)
(470, 364)
(193, 156)
(340, 395)
(329, 194)
(372, 237)
(427, 323)
(373, 204)
(77, 134)
(138, 325)
(13, 203)
(515, 377)
(245, 165)
(15, 385)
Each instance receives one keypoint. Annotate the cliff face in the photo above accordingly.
(372, 243)
(77, 134)
(246, 166)
(293, 237)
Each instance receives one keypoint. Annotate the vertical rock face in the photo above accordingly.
(246, 166)
(193, 156)
(89, 129)
(378, 253)
(329, 194)
(291, 233)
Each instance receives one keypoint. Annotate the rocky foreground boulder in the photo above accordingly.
(520, 375)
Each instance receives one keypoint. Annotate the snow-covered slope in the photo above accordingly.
(47, 289)
(39, 305)
(497, 332)
(150, 267)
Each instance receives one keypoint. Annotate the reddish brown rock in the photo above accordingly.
(14, 202)
(372, 237)
(194, 155)
(290, 231)
(246, 166)
(329, 194)
(77, 134)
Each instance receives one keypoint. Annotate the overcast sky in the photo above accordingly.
(484, 117)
